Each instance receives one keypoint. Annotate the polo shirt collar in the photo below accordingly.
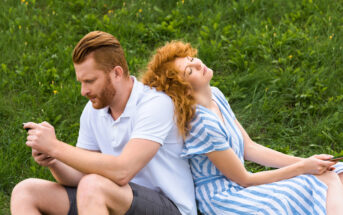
(131, 103)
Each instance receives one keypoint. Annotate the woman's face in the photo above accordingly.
(194, 71)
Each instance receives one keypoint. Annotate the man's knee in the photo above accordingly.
(25, 189)
(89, 188)
(25, 194)
(90, 183)
(40, 195)
(94, 189)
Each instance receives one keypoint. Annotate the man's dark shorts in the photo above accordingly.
(145, 202)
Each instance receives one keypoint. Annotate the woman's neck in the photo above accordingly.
(204, 96)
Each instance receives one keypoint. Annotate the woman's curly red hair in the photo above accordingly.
(164, 76)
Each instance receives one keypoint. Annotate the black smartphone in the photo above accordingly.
(336, 158)
(27, 129)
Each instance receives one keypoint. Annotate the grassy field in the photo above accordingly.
(279, 63)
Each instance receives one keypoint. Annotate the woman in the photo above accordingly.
(217, 146)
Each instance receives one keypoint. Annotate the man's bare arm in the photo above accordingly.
(121, 169)
(65, 174)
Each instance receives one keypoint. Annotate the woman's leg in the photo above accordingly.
(334, 199)
(340, 175)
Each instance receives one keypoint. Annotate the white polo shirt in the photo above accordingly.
(148, 115)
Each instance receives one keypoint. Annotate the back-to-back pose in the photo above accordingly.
(217, 145)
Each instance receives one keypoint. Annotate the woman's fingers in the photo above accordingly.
(331, 168)
(323, 156)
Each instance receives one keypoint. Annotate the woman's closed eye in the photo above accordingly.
(190, 71)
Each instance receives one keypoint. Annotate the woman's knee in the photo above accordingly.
(330, 178)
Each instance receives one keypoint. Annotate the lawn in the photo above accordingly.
(279, 63)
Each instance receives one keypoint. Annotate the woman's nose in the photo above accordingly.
(198, 65)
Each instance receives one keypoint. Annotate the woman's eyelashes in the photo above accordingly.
(190, 71)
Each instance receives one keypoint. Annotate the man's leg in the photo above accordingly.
(37, 196)
(99, 195)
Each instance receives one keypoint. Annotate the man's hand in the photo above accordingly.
(41, 137)
(42, 159)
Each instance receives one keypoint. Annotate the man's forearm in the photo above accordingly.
(89, 162)
(65, 174)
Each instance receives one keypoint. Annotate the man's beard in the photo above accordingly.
(106, 96)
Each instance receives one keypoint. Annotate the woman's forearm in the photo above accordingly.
(268, 157)
(231, 166)
(271, 176)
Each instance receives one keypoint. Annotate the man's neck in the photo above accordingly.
(121, 98)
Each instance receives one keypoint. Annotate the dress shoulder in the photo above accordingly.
(207, 134)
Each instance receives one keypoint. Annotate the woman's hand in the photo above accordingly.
(317, 164)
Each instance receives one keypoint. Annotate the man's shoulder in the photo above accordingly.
(151, 94)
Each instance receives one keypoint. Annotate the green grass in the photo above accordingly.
(278, 62)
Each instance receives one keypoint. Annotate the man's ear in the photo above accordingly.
(117, 72)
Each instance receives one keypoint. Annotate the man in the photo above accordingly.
(138, 169)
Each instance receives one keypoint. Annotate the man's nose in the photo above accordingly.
(84, 90)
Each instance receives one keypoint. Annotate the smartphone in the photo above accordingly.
(336, 158)
(27, 129)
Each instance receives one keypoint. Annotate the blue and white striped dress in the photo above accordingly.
(216, 194)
